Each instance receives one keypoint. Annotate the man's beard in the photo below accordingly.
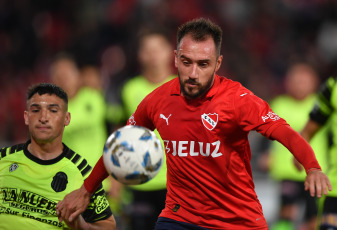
(202, 89)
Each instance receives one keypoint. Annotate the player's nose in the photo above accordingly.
(43, 116)
(194, 72)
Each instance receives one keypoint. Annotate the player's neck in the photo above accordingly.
(45, 151)
(156, 76)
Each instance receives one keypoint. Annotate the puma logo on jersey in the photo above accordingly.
(13, 167)
(165, 118)
(192, 148)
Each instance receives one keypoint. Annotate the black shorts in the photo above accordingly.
(169, 224)
(328, 219)
(292, 192)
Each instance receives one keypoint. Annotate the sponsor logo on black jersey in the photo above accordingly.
(60, 181)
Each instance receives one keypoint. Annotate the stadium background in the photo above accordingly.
(261, 40)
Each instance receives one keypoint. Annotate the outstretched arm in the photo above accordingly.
(316, 181)
(310, 129)
(79, 224)
(78, 200)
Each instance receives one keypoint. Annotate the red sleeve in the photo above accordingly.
(97, 175)
(253, 113)
(297, 145)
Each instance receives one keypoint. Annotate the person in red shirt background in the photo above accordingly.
(205, 131)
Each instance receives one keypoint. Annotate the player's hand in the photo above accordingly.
(73, 204)
(77, 223)
(316, 182)
(80, 224)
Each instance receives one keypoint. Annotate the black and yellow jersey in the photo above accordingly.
(325, 114)
(30, 188)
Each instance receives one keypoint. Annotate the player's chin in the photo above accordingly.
(191, 93)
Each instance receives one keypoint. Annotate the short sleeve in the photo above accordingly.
(253, 113)
(98, 208)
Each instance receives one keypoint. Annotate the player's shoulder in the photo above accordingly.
(233, 89)
(77, 161)
(329, 85)
(10, 150)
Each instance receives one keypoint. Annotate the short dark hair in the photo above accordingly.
(200, 29)
(47, 88)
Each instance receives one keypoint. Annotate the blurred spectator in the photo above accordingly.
(301, 82)
(87, 132)
(155, 55)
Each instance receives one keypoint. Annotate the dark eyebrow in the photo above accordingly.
(50, 105)
(54, 105)
(199, 61)
(35, 105)
(184, 57)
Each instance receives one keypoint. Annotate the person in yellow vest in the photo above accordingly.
(155, 58)
(300, 84)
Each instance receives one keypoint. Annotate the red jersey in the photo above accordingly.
(209, 177)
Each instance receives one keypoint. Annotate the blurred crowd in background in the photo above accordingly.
(261, 41)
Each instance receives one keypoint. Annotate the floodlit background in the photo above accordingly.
(261, 39)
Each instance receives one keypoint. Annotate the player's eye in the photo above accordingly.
(203, 64)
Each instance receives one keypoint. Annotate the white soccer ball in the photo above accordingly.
(133, 155)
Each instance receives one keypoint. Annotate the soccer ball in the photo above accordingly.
(133, 155)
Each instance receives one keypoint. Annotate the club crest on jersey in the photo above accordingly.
(209, 120)
(13, 167)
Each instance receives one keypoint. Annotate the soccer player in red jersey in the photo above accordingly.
(204, 120)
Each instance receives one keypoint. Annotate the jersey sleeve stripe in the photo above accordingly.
(82, 164)
(86, 170)
(76, 158)
(3, 152)
(70, 154)
(16, 148)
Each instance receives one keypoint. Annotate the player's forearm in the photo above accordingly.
(81, 224)
(297, 145)
(310, 129)
(97, 175)
(108, 224)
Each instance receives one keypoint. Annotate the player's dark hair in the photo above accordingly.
(47, 88)
(200, 29)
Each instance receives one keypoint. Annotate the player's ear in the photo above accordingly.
(67, 119)
(175, 58)
(218, 63)
(25, 116)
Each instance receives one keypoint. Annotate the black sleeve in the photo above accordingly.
(323, 107)
(98, 208)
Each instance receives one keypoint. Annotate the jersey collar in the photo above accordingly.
(213, 90)
(44, 162)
